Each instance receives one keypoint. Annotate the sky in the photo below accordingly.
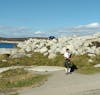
(28, 18)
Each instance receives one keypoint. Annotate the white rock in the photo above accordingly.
(54, 41)
(97, 65)
(5, 51)
(17, 55)
(28, 49)
(43, 50)
(46, 53)
(70, 47)
(97, 51)
(4, 60)
(90, 60)
(91, 50)
(91, 55)
(77, 45)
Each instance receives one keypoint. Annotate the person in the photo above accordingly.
(67, 63)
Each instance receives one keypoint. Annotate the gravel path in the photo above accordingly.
(61, 84)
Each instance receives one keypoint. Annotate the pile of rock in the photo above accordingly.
(78, 45)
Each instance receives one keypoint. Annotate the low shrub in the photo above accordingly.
(3, 56)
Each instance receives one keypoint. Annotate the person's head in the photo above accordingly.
(67, 50)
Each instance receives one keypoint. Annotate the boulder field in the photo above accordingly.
(78, 45)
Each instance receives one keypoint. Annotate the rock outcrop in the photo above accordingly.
(78, 45)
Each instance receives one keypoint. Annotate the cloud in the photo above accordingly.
(6, 31)
(91, 25)
(91, 28)
(87, 29)
(14, 29)
(38, 32)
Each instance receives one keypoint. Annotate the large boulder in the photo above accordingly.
(43, 50)
(17, 53)
(28, 49)
(97, 65)
(5, 51)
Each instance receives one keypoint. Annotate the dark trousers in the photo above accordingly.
(67, 63)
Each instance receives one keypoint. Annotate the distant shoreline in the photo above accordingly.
(20, 39)
(13, 42)
(17, 40)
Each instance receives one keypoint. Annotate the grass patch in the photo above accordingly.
(14, 94)
(3, 56)
(36, 59)
(81, 61)
(96, 60)
(18, 78)
(88, 70)
(84, 66)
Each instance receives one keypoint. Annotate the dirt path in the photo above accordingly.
(61, 84)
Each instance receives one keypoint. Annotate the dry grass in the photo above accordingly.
(20, 78)
(84, 66)
(81, 61)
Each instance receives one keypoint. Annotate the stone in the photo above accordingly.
(4, 60)
(17, 55)
(91, 55)
(46, 53)
(28, 49)
(97, 65)
(90, 61)
(78, 45)
(43, 50)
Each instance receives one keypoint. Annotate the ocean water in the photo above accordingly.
(7, 45)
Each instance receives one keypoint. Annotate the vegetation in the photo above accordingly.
(14, 94)
(81, 61)
(83, 64)
(19, 78)
(3, 56)
(36, 59)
